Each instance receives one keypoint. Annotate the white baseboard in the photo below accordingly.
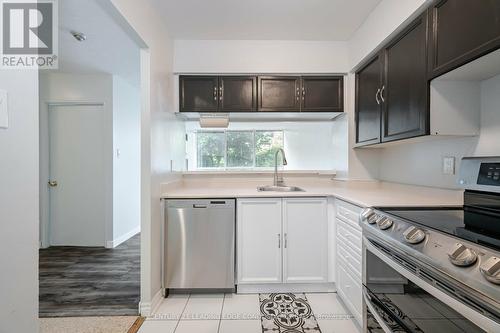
(146, 309)
(117, 241)
(287, 288)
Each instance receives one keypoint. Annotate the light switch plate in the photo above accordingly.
(449, 165)
(4, 109)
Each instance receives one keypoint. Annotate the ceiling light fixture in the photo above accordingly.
(79, 36)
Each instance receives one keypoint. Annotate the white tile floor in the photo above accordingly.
(230, 313)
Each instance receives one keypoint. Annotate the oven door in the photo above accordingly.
(397, 300)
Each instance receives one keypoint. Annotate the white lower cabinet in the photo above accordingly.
(349, 257)
(282, 240)
(305, 228)
(259, 240)
(349, 289)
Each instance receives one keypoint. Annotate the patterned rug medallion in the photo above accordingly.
(287, 313)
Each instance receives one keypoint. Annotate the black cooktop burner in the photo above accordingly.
(475, 225)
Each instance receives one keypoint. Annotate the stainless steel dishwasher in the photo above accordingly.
(200, 244)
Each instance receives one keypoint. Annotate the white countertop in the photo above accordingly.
(361, 193)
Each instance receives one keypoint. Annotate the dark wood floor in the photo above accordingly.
(83, 281)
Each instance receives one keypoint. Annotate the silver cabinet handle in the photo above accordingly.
(382, 94)
(221, 93)
(279, 241)
(376, 96)
(303, 93)
(215, 93)
(286, 241)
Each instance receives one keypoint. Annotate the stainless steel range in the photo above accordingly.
(436, 269)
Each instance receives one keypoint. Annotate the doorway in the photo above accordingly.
(91, 114)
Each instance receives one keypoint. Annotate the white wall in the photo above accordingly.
(126, 160)
(19, 204)
(421, 163)
(63, 87)
(489, 140)
(308, 145)
(244, 56)
(159, 129)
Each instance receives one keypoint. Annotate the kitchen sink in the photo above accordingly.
(272, 188)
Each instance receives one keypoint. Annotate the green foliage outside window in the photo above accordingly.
(238, 149)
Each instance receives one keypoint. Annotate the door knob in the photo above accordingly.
(53, 183)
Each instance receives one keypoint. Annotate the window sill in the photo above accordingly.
(261, 172)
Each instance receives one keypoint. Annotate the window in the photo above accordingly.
(237, 149)
(211, 149)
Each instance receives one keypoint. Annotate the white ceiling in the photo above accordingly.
(108, 48)
(264, 19)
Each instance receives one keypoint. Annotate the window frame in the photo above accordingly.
(225, 167)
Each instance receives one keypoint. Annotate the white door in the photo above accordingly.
(259, 241)
(305, 227)
(77, 163)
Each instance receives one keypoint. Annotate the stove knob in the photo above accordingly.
(366, 214)
(373, 219)
(491, 270)
(384, 223)
(462, 256)
(414, 235)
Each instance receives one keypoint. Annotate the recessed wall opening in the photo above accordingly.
(90, 169)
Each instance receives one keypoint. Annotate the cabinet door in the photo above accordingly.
(199, 93)
(462, 30)
(305, 227)
(368, 103)
(259, 241)
(279, 93)
(405, 91)
(322, 93)
(238, 93)
(349, 290)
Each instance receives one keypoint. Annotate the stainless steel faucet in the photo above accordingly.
(278, 180)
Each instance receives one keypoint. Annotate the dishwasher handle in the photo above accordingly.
(199, 206)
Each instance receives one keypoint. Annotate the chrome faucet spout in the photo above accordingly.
(278, 180)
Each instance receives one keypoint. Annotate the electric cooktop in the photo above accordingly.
(472, 224)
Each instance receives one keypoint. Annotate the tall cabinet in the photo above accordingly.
(392, 91)
(404, 94)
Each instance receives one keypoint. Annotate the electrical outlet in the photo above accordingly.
(449, 165)
(4, 110)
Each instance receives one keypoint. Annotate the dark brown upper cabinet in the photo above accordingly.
(237, 93)
(461, 31)
(199, 93)
(261, 93)
(392, 90)
(279, 93)
(405, 90)
(368, 104)
(218, 94)
(322, 93)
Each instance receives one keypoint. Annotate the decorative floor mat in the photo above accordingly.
(287, 313)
